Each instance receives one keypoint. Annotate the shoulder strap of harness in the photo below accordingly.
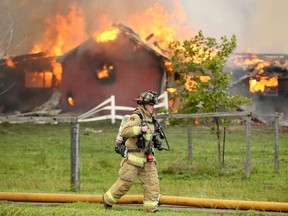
(136, 111)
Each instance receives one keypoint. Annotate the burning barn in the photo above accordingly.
(117, 62)
(264, 78)
(26, 82)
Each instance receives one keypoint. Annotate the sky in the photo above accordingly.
(260, 26)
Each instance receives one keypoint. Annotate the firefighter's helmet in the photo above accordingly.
(147, 97)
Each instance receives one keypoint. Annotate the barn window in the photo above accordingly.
(38, 79)
(105, 73)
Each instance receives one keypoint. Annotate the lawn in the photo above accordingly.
(36, 158)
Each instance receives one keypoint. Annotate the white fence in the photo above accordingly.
(109, 104)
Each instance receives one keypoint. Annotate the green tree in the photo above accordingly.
(203, 86)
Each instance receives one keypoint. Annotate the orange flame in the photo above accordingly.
(168, 66)
(171, 90)
(10, 63)
(191, 84)
(70, 101)
(62, 34)
(261, 84)
(154, 20)
(204, 78)
(57, 71)
(259, 64)
(260, 67)
(109, 35)
(104, 73)
(38, 79)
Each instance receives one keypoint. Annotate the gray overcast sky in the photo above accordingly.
(259, 25)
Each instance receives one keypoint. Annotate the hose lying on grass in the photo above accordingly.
(138, 199)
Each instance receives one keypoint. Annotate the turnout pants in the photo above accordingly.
(148, 177)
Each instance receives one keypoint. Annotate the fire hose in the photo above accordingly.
(138, 199)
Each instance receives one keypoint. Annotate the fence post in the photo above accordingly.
(190, 153)
(276, 143)
(248, 139)
(113, 112)
(166, 100)
(75, 156)
(224, 144)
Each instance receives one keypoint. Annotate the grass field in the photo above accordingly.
(36, 158)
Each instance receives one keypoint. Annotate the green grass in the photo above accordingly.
(84, 209)
(36, 158)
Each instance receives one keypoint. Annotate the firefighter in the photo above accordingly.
(139, 161)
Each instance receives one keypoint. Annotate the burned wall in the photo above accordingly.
(26, 82)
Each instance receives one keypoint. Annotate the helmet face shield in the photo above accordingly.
(148, 97)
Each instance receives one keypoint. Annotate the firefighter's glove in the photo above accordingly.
(122, 150)
(157, 143)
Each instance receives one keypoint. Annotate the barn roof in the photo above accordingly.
(130, 33)
(40, 61)
(156, 50)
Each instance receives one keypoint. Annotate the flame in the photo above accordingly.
(202, 55)
(204, 78)
(10, 63)
(262, 83)
(104, 73)
(70, 101)
(108, 35)
(38, 79)
(168, 66)
(62, 33)
(248, 61)
(259, 64)
(65, 32)
(154, 20)
(171, 90)
(57, 71)
(191, 84)
(255, 60)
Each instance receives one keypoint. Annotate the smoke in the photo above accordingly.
(270, 28)
(31, 17)
(259, 25)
